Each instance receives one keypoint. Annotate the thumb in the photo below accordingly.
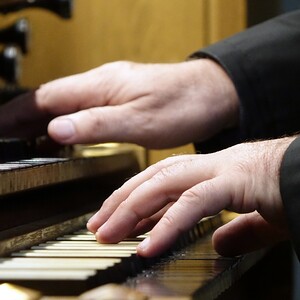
(93, 125)
(246, 233)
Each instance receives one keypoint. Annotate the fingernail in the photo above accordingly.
(144, 244)
(63, 128)
(100, 230)
(91, 219)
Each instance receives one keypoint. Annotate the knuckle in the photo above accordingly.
(169, 167)
(124, 205)
(192, 194)
(168, 220)
(116, 194)
(162, 175)
(197, 196)
(96, 121)
(135, 213)
(115, 66)
(159, 165)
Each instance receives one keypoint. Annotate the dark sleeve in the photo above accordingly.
(264, 64)
(290, 190)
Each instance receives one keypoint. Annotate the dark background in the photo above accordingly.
(260, 10)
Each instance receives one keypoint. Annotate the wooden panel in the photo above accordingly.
(225, 17)
(103, 31)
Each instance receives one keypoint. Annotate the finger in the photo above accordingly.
(247, 233)
(58, 97)
(204, 199)
(110, 84)
(111, 123)
(147, 224)
(62, 96)
(73, 93)
(150, 197)
(93, 125)
(121, 194)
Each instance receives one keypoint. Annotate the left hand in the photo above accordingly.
(128, 102)
(177, 192)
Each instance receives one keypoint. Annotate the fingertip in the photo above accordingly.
(99, 236)
(90, 227)
(223, 243)
(62, 129)
(153, 246)
(105, 235)
(142, 248)
(93, 223)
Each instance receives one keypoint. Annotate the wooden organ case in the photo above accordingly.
(47, 197)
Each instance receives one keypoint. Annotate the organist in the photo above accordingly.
(245, 88)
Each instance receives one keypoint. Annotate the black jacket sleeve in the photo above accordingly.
(290, 190)
(264, 64)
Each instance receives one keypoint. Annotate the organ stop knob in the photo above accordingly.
(63, 8)
(17, 34)
(10, 69)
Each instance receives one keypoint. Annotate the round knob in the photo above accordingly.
(63, 8)
(17, 34)
(10, 67)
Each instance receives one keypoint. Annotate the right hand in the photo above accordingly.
(154, 105)
(173, 195)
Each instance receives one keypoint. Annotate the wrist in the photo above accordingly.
(221, 90)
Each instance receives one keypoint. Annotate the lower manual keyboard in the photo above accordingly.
(70, 264)
(74, 263)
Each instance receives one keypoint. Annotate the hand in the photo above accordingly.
(154, 105)
(174, 194)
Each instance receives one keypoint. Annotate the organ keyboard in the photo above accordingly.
(44, 246)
